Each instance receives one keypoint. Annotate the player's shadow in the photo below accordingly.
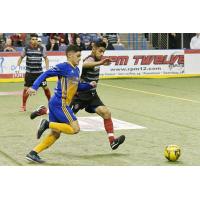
(167, 163)
(81, 157)
(92, 156)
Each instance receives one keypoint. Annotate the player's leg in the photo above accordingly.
(96, 105)
(24, 99)
(41, 110)
(55, 133)
(66, 122)
(28, 81)
(75, 105)
(44, 87)
(105, 113)
(46, 90)
(44, 144)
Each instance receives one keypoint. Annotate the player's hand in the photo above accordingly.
(93, 84)
(31, 91)
(106, 61)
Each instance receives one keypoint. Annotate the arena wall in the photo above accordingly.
(125, 64)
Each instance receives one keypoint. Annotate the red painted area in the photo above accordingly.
(192, 51)
(8, 76)
(10, 93)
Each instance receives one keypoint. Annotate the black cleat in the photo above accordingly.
(114, 145)
(44, 124)
(42, 110)
(33, 156)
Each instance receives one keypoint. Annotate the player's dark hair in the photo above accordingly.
(73, 48)
(100, 44)
(34, 35)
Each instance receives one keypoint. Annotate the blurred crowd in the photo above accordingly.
(10, 42)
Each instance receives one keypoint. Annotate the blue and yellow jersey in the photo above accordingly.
(67, 84)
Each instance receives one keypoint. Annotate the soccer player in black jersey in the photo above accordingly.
(34, 54)
(89, 100)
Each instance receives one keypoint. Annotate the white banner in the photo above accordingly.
(149, 62)
(145, 63)
(192, 61)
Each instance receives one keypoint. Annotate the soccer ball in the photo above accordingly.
(172, 152)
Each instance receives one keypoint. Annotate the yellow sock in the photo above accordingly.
(45, 143)
(65, 128)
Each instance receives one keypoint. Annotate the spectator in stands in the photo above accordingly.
(89, 47)
(66, 40)
(52, 45)
(86, 39)
(2, 37)
(113, 38)
(2, 45)
(8, 46)
(60, 38)
(109, 46)
(80, 44)
(195, 42)
(55, 36)
(72, 38)
(27, 39)
(18, 39)
(40, 42)
(174, 41)
(2, 41)
(99, 36)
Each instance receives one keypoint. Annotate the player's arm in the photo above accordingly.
(86, 86)
(90, 63)
(23, 54)
(46, 60)
(56, 71)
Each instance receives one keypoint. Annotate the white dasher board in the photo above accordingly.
(96, 124)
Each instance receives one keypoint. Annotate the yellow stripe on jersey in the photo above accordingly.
(66, 112)
(64, 97)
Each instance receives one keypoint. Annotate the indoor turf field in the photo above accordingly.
(168, 109)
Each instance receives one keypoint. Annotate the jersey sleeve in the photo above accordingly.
(84, 86)
(55, 71)
(89, 59)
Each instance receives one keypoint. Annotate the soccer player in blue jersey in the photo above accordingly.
(90, 100)
(61, 117)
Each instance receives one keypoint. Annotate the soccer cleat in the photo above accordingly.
(23, 109)
(33, 156)
(44, 124)
(114, 145)
(42, 110)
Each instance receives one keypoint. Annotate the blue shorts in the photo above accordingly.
(60, 114)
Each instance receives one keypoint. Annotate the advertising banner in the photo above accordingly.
(125, 63)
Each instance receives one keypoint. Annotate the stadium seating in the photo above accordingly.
(19, 48)
(118, 47)
(45, 39)
(62, 47)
